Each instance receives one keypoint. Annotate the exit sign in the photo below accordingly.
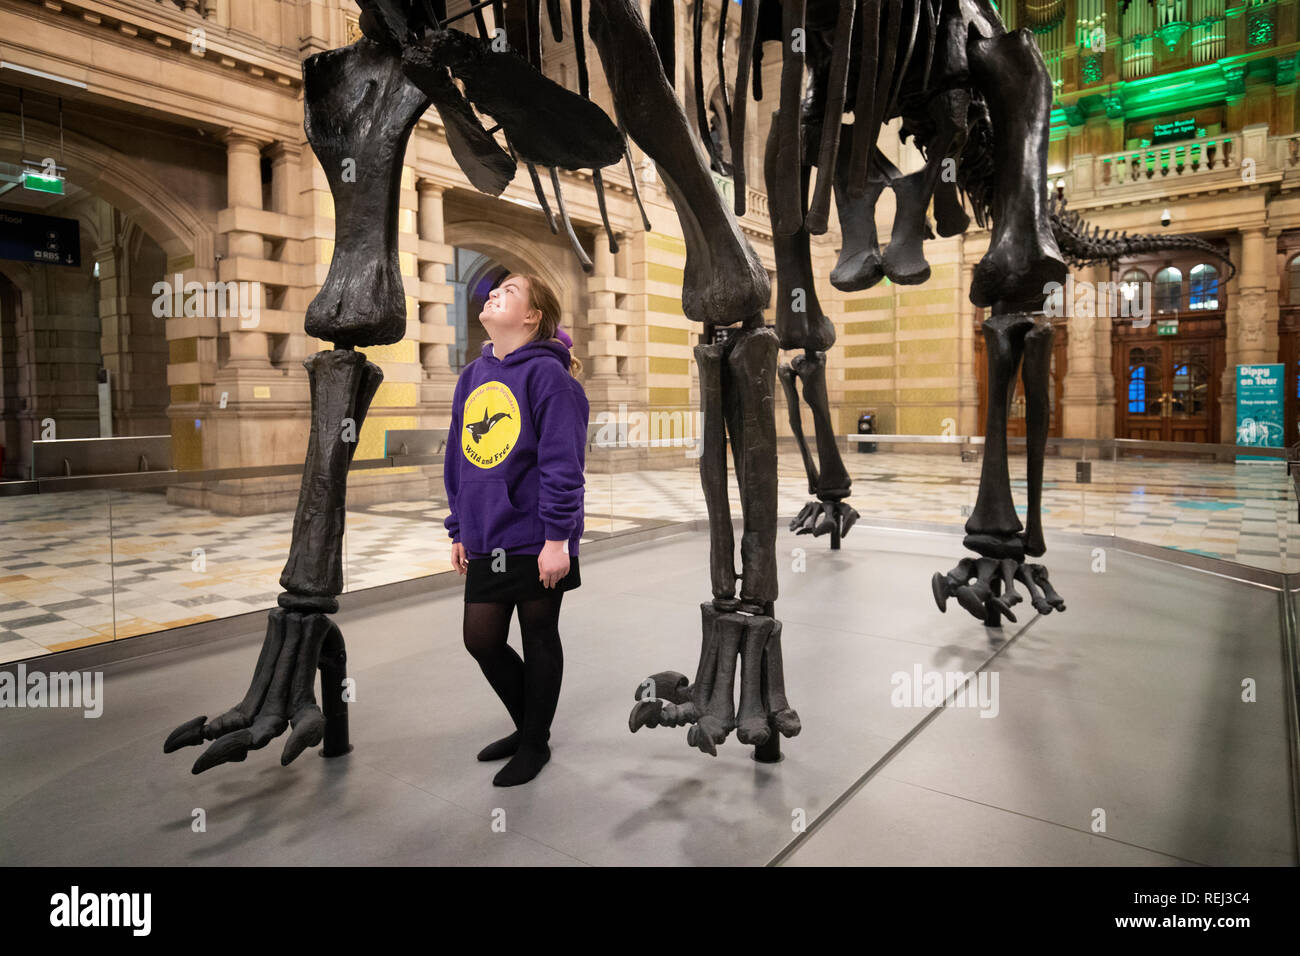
(38, 182)
(1167, 327)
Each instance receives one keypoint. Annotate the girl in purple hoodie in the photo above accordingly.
(514, 478)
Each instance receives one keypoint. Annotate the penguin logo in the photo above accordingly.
(491, 424)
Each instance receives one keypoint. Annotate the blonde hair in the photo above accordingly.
(543, 298)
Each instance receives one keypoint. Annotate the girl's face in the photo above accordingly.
(506, 309)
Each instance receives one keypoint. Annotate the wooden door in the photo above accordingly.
(1288, 353)
(1167, 389)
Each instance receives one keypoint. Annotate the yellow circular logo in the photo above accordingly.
(489, 424)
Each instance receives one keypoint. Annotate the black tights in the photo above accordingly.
(530, 688)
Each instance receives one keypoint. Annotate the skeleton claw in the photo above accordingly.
(986, 588)
(821, 517)
(734, 645)
(283, 684)
(188, 734)
(645, 713)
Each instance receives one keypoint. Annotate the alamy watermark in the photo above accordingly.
(680, 428)
(210, 300)
(76, 909)
(55, 689)
(923, 688)
(1115, 300)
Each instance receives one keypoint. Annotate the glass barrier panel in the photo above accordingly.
(56, 587)
(1208, 504)
(193, 552)
(394, 530)
(651, 460)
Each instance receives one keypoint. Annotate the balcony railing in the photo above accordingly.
(1186, 158)
(1183, 167)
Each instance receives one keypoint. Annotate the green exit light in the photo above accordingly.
(43, 184)
(1167, 327)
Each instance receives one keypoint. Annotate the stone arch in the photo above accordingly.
(518, 253)
(129, 205)
(15, 294)
(102, 171)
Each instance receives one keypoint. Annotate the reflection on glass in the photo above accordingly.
(1191, 380)
(1204, 287)
(1169, 289)
(1144, 381)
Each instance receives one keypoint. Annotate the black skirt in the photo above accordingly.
(518, 582)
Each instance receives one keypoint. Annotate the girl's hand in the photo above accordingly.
(458, 559)
(552, 563)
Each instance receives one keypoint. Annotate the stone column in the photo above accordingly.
(1246, 338)
(610, 336)
(436, 336)
(968, 397)
(249, 348)
(1086, 376)
(1252, 298)
(285, 160)
(1102, 363)
(605, 364)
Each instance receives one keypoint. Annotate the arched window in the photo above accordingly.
(1293, 281)
(1130, 287)
(1168, 290)
(1204, 287)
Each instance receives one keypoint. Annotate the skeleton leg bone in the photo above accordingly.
(724, 283)
(1037, 377)
(986, 586)
(993, 529)
(724, 279)
(860, 265)
(1023, 256)
(300, 638)
(831, 514)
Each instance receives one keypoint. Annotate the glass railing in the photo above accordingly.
(94, 559)
(1183, 497)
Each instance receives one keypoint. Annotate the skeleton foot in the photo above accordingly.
(858, 269)
(731, 641)
(1041, 593)
(821, 517)
(985, 587)
(281, 695)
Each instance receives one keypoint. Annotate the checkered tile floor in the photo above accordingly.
(66, 582)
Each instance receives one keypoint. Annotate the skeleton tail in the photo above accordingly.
(1082, 243)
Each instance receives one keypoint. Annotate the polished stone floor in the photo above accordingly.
(88, 567)
(1120, 735)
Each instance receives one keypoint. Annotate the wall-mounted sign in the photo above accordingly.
(1259, 408)
(1177, 129)
(27, 237)
(1166, 326)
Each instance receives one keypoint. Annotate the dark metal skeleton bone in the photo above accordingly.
(976, 100)
(954, 75)
(361, 103)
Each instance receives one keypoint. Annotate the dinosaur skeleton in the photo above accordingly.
(975, 99)
(948, 67)
(361, 102)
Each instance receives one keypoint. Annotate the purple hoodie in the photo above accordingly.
(516, 451)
